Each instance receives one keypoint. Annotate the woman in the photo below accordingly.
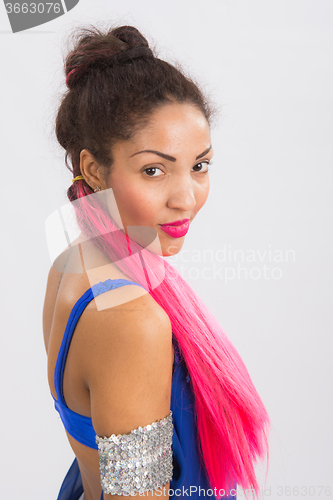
(154, 398)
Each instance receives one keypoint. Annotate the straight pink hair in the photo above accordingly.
(232, 421)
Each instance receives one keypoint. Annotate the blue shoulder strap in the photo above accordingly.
(80, 305)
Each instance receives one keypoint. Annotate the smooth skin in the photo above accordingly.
(151, 190)
(119, 365)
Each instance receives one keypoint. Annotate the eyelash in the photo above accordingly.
(208, 163)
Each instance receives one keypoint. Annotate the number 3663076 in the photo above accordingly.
(304, 491)
(33, 8)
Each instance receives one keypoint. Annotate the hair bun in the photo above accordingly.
(134, 53)
(130, 35)
(94, 48)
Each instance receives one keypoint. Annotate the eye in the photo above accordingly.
(151, 170)
(201, 166)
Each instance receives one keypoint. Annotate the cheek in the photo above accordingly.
(202, 195)
(135, 206)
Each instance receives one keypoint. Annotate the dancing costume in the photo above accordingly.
(183, 465)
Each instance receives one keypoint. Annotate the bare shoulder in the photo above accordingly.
(129, 312)
(128, 365)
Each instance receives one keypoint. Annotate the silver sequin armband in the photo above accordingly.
(139, 461)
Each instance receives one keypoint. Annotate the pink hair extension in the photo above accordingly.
(69, 74)
(232, 421)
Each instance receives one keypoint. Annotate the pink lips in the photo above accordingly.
(176, 229)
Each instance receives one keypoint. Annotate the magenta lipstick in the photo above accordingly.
(176, 229)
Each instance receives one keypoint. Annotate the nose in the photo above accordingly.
(182, 194)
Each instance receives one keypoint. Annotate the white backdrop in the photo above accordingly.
(259, 253)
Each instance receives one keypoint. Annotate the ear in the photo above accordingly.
(91, 170)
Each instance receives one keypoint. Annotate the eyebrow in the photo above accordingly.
(170, 158)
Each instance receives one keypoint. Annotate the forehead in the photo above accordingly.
(171, 128)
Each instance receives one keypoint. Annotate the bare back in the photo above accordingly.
(101, 357)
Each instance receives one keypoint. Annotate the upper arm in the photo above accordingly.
(130, 375)
(130, 367)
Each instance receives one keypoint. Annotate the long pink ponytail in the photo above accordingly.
(231, 418)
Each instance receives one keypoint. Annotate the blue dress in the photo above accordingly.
(189, 474)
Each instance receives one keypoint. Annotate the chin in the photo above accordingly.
(173, 249)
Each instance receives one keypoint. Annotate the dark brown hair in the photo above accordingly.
(114, 84)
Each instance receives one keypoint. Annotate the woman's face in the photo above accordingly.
(161, 175)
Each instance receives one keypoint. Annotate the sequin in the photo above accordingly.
(137, 462)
